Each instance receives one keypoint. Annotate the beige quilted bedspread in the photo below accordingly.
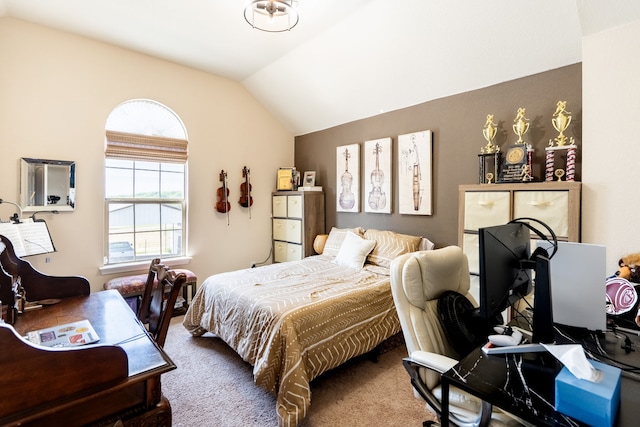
(293, 321)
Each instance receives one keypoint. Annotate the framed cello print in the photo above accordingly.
(377, 176)
(348, 178)
(414, 173)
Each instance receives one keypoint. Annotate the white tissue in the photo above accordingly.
(573, 358)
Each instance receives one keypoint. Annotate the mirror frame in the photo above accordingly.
(67, 184)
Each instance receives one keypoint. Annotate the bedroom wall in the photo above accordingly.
(456, 123)
(611, 160)
(56, 91)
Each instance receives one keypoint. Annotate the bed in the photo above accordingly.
(293, 321)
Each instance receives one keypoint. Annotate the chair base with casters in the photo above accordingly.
(429, 361)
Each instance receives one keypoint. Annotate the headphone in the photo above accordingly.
(539, 250)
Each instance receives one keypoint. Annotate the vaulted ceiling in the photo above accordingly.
(346, 59)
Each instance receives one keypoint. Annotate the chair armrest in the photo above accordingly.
(433, 361)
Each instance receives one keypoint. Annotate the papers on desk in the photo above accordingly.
(67, 335)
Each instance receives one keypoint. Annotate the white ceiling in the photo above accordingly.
(346, 59)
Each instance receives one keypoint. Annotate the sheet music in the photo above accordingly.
(28, 238)
(11, 232)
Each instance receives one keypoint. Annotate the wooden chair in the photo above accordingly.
(159, 298)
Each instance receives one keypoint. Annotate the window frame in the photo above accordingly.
(133, 147)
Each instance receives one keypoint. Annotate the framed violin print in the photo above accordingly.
(414, 173)
(348, 178)
(377, 176)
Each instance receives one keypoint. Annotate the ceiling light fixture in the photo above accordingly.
(272, 15)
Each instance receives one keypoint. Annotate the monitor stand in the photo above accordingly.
(543, 330)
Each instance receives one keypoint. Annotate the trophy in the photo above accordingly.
(519, 157)
(520, 125)
(489, 157)
(489, 132)
(560, 121)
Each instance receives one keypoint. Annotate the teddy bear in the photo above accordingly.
(629, 267)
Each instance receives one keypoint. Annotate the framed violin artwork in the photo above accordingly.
(377, 176)
(414, 173)
(348, 178)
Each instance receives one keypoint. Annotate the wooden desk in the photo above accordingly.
(115, 379)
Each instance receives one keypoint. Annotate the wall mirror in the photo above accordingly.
(47, 185)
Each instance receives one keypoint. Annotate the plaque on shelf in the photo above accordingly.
(515, 167)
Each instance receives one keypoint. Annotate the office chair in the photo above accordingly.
(159, 298)
(417, 281)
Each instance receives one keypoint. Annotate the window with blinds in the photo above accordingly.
(145, 187)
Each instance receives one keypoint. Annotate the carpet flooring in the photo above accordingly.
(213, 386)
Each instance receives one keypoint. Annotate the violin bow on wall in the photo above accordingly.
(245, 191)
(223, 205)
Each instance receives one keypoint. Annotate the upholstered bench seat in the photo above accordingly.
(132, 287)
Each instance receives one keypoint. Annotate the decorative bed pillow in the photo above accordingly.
(389, 245)
(336, 237)
(426, 245)
(353, 251)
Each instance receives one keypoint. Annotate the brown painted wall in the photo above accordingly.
(456, 123)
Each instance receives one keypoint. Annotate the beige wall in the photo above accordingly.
(56, 91)
(611, 157)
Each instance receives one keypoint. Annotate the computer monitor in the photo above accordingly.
(506, 271)
(503, 279)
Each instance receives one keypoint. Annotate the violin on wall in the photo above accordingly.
(245, 190)
(223, 205)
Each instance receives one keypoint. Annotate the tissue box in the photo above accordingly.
(593, 403)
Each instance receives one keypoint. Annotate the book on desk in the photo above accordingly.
(67, 335)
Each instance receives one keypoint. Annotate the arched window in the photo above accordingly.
(145, 186)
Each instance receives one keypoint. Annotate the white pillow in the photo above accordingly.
(353, 251)
(336, 237)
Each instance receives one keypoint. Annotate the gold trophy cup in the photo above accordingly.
(520, 125)
(560, 121)
(489, 132)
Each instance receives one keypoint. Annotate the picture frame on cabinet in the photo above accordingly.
(309, 179)
(377, 175)
(285, 180)
(415, 173)
(348, 178)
